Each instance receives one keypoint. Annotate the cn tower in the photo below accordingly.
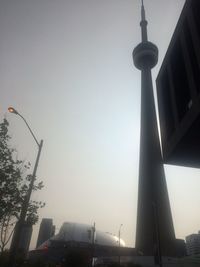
(155, 231)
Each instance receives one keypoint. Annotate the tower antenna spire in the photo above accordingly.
(143, 11)
(143, 24)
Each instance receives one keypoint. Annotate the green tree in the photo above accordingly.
(14, 183)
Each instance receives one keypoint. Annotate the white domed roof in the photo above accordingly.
(83, 233)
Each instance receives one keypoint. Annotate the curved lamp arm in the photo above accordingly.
(14, 111)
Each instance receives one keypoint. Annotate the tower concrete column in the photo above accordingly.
(155, 232)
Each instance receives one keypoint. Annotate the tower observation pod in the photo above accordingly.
(154, 231)
(145, 54)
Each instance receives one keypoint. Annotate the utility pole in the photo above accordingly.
(93, 244)
(22, 218)
(120, 243)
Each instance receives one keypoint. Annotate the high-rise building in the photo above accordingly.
(47, 230)
(25, 238)
(193, 244)
(155, 231)
(178, 90)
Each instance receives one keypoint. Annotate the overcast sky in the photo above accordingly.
(66, 66)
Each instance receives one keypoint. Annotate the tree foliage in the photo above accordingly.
(14, 183)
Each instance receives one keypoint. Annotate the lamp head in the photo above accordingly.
(12, 110)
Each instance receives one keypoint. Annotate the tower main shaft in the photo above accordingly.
(155, 231)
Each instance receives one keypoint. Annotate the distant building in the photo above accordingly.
(25, 238)
(53, 230)
(193, 244)
(47, 230)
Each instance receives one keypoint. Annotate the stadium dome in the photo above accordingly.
(82, 233)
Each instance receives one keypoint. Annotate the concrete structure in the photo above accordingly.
(193, 244)
(180, 248)
(25, 238)
(178, 89)
(46, 231)
(79, 238)
(83, 233)
(155, 232)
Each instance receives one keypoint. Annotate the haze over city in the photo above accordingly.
(67, 67)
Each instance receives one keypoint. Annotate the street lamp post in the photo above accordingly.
(93, 244)
(119, 243)
(22, 217)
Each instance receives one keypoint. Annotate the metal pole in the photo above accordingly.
(29, 129)
(93, 244)
(21, 221)
(120, 244)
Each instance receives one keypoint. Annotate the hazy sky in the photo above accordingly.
(66, 65)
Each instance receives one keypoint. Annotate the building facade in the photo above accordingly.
(47, 230)
(193, 244)
(178, 91)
